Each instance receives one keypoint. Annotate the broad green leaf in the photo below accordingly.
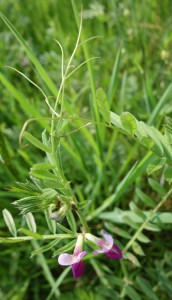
(129, 123)
(30, 233)
(30, 222)
(146, 288)
(131, 293)
(69, 246)
(145, 199)
(34, 141)
(131, 257)
(45, 248)
(9, 222)
(103, 104)
(137, 249)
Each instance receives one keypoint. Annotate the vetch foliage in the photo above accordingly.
(57, 193)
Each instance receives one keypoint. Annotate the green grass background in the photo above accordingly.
(95, 166)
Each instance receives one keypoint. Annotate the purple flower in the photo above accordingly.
(75, 260)
(107, 245)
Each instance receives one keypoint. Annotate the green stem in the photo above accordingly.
(146, 221)
(83, 220)
(43, 237)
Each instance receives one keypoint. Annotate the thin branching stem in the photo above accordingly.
(151, 214)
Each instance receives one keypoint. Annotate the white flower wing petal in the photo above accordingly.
(108, 240)
(66, 259)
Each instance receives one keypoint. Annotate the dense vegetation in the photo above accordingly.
(106, 149)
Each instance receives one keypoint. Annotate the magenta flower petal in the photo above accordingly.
(78, 269)
(65, 259)
(80, 255)
(114, 252)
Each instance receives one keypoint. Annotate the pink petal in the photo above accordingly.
(99, 251)
(78, 269)
(80, 255)
(114, 252)
(65, 259)
(108, 239)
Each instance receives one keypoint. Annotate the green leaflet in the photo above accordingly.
(129, 123)
(137, 249)
(131, 257)
(123, 217)
(43, 174)
(51, 223)
(145, 199)
(34, 141)
(156, 186)
(168, 174)
(30, 233)
(148, 136)
(136, 210)
(131, 293)
(146, 288)
(43, 166)
(143, 238)
(45, 248)
(31, 222)
(9, 222)
(63, 228)
(65, 248)
(152, 227)
(103, 104)
(155, 166)
(118, 230)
